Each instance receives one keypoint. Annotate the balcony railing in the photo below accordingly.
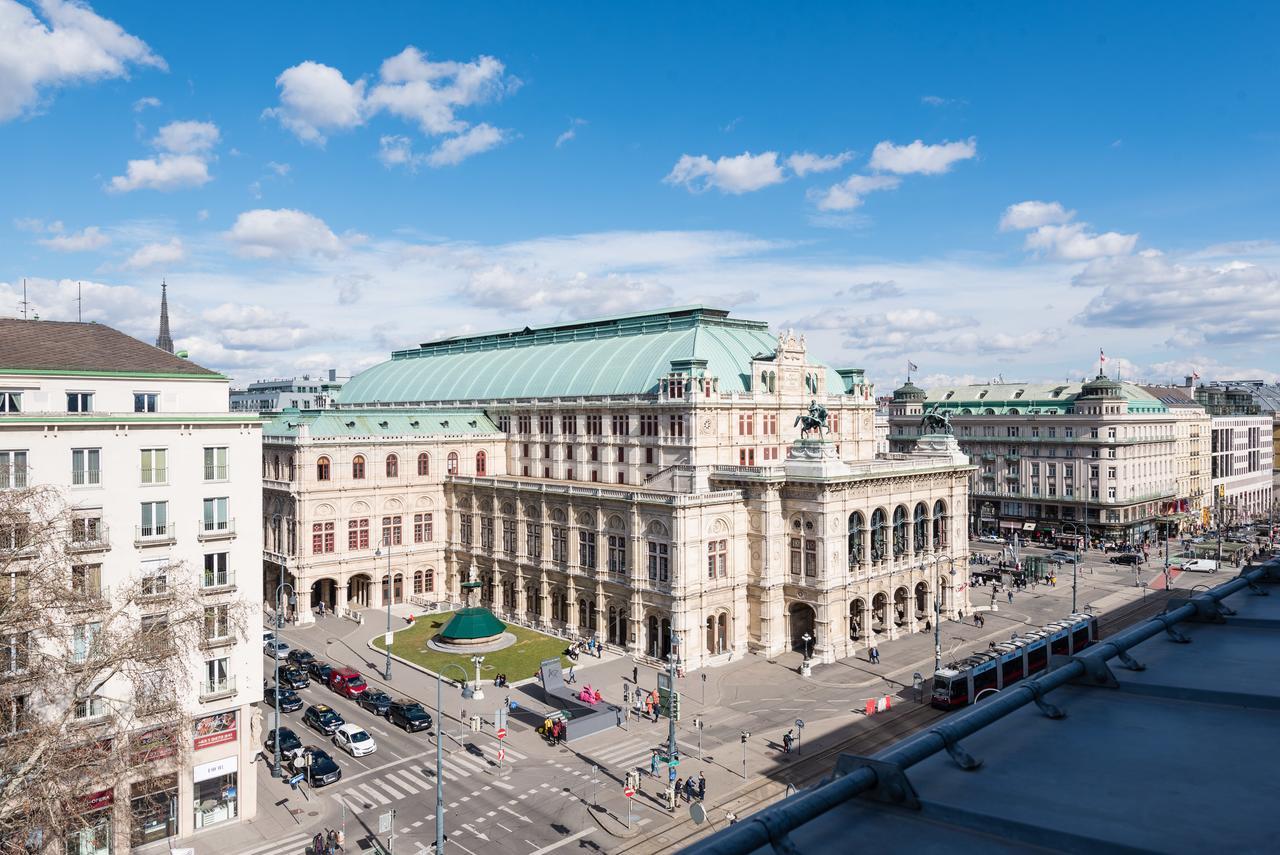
(215, 473)
(88, 538)
(155, 534)
(86, 477)
(218, 582)
(216, 529)
(212, 690)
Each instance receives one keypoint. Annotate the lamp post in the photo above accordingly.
(439, 761)
(808, 644)
(377, 553)
(1075, 568)
(275, 650)
(476, 693)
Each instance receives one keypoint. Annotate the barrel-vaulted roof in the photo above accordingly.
(620, 355)
(1042, 398)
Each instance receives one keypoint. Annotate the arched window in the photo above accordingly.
(322, 469)
(393, 466)
(920, 526)
(899, 531)
(856, 523)
(480, 463)
(424, 464)
(357, 467)
(275, 467)
(878, 535)
(290, 467)
(417, 581)
(939, 525)
(451, 464)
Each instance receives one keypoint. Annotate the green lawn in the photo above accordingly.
(519, 661)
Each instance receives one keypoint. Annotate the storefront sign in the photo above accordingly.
(154, 744)
(100, 800)
(225, 766)
(215, 730)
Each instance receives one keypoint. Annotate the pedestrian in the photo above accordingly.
(875, 655)
(786, 742)
(1010, 593)
(599, 650)
(648, 708)
(702, 786)
(731, 816)
(571, 678)
(635, 674)
(679, 788)
(653, 764)
(690, 790)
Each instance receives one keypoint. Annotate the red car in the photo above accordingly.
(347, 682)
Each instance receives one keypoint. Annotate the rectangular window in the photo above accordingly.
(216, 516)
(810, 557)
(621, 425)
(217, 572)
(215, 464)
(486, 532)
(595, 453)
(509, 537)
(587, 550)
(568, 425)
(1013, 430)
(10, 402)
(145, 402)
(14, 652)
(504, 424)
(88, 709)
(622, 454)
(648, 454)
(155, 468)
(797, 555)
(717, 563)
(86, 466)
(322, 537)
(155, 577)
(79, 402)
(13, 469)
(559, 544)
(546, 424)
(464, 528)
(524, 424)
(648, 425)
(533, 540)
(595, 425)
(422, 528)
(659, 561)
(617, 554)
(358, 533)
(217, 623)
(83, 638)
(675, 425)
(155, 519)
(217, 675)
(86, 579)
(392, 533)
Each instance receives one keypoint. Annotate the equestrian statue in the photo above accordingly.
(815, 421)
(935, 421)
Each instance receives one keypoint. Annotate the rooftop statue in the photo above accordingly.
(815, 421)
(935, 421)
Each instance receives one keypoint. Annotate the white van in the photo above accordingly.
(1200, 565)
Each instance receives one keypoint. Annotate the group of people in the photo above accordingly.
(500, 681)
(591, 647)
(646, 702)
(327, 842)
(552, 730)
(691, 789)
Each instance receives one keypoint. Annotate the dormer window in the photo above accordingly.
(947, 397)
(982, 394)
(1018, 394)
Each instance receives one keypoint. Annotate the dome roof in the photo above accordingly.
(472, 623)
(908, 391)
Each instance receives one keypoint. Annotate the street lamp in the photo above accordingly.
(808, 645)
(1075, 568)
(277, 772)
(440, 739)
(937, 604)
(476, 693)
(377, 553)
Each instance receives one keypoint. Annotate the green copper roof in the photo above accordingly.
(379, 423)
(623, 355)
(1042, 398)
(472, 623)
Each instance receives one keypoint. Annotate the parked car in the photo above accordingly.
(293, 677)
(275, 648)
(290, 744)
(991, 538)
(1063, 557)
(301, 658)
(408, 714)
(268, 635)
(374, 700)
(1200, 565)
(355, 740)
(323, 718)
(1131, 558)
(319, 671)
(347, 682)
(318, 766)
(289, 700)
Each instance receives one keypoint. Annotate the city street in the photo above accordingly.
(543, 798)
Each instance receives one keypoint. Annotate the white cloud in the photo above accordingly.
(476, 139)
(185, 151)
(266, 233)
(848, 194)
(397, 150)
(143, 103)
(744, 173)
(572, 132)
(1032, 214)
(281, 169)
(579, 295)
(70, 45)
(83, 241)
(152, 254)
(916, 157)
(802, 163)
(419, 90)
(316, 99)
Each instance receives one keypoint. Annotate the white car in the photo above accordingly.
(355, 740)
(275, 648)
(991, 538)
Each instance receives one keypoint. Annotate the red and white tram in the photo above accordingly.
(960, 683)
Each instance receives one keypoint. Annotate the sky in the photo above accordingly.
(982, 189)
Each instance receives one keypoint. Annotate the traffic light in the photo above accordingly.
(475, 723)
(745, 735)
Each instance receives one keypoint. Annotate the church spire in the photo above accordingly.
(164, 341)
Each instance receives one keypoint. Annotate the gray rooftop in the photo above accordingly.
(1178, 757)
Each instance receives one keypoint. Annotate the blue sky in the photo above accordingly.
(987, 189)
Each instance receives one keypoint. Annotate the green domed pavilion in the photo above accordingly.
(473, 625)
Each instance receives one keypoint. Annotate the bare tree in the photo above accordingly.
(95, 680)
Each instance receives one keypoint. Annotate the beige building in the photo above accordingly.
(1052, 459)
(636, 479)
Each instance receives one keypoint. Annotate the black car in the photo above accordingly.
(290, 744)
(321, 770)
(301, 658)
(1127, 558)
(289, 700)
(294, 677)
(320, 671)
(408, 714)
(323, 718)
(374, 700)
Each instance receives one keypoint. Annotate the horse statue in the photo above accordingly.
(815, 421)
(935, 421)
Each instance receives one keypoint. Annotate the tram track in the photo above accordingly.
(887, 728)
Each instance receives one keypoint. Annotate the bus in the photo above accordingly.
(961, 683)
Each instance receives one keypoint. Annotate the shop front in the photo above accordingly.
(215, 797)
(92, 834)
(153, 809)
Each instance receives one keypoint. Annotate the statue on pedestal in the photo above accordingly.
(815, 421)
(935, 421)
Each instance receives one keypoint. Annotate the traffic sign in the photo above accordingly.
(800, 723)
(296, 779)
(671, 775)
(501, 733)
(385, 821)
(502, 754)
(629, 792)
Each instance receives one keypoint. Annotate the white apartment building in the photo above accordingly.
(633, 478)
(304, 392)
(1242, 459)
(163, 480)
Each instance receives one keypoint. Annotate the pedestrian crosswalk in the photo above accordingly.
(627, 753)
(393, 785)
(291, 845)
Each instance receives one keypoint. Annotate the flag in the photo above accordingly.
(911, 366)
(1195, 375)
(1102, 357)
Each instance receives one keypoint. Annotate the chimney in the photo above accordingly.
(333, 375)
(1188, 382)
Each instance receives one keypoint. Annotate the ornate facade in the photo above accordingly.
(638, 479)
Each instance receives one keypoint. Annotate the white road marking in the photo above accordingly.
(285, 843)
(382, 800)
(544, 850)
(503, 785)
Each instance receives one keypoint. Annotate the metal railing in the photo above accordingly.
(82, 477)
(88, 538)
(770, 828)
(217, 580)
(154, 533)
(211, 690)
(212, 529)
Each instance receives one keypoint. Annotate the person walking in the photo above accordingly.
(648, 707)
(571, 678)
(690, 790)
(786, 742)
(702, 787)
(874, 655)
(1010, 593)
(679, 788)
(653, 764)
(635, 675)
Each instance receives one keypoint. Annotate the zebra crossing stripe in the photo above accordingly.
(395, 794)
(470, 762)
(462, 772)
(287, 844)
(404, 778)
(355, 801)
(377, 796)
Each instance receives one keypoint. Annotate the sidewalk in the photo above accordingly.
(287, 819)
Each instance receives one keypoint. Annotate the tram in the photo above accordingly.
(961, 683)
